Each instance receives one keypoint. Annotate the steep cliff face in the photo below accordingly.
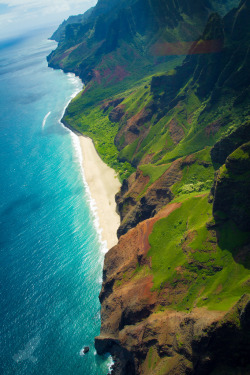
(112, 24)
(134, 209)
(191, 108)
(173, 292)
(176, 343)
(167, 104)
(170, 328)
(170, 284)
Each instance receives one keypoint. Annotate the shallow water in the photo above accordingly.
(51, 254)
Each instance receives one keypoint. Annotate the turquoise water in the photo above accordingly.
(51, 254)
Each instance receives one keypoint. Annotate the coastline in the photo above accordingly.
(102, 182)
(103, 185)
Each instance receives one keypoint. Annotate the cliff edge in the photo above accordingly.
(166, 103)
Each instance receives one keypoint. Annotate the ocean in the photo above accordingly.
(51, 254)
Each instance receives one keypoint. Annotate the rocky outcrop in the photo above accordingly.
(134, 209)
(139, 200)
(145, 340)
(111, 103)
(116, 114)
(121, 260)
(141, 331)
(200, 342)
(133, 128)
(145, 327)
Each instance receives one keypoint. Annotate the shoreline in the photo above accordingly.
(102, 182)
(103, 185)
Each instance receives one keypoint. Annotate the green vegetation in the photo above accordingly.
(197, 174)
(241, 155)
(97, 126)
(179, 123)
(150, 353)
(171, 112)
(187, 255)
(154, 172)
(128, 151)
(85, 114)
(152, 360)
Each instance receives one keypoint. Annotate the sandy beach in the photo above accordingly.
(103, 185)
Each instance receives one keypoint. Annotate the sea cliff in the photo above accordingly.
(166, 103)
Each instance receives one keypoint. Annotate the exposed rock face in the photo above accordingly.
(197, 343)
(132, 128)
(181, 343)
(176, 132)
(143, 338)
(133, 210)
(133, 299)
(139, 326)
(116, 114)
(111, 103)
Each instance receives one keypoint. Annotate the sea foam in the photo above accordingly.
(77, 147)
(92, 203)
(45, 119)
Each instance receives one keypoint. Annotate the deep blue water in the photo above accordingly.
(50, 251)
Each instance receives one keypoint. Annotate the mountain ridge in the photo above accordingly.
(166, 102)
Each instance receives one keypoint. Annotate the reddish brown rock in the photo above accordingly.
(133, 209)
(116, 114)
(133, 330)
(111, 103)
(176, 131)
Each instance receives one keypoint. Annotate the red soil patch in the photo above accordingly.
(110, 75)
(66, 53)
(137, 182)
(213, 128)
(176, 132)
(147, 159)
(146, 226)
(133, 247)
(118, 75)
(140, 118)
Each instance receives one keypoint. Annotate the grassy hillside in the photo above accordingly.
(205, 266)
(154, 112)
(167, 104)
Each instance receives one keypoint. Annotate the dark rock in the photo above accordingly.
(116, 114)
(199, 342)
(104, 345)
(123, 359)
(86, 350)
(132, 210)
(111, 103)
(134, 129)
(147, 207)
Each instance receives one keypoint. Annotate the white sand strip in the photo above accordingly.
(103, 185)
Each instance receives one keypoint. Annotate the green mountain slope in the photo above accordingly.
(167, 104)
